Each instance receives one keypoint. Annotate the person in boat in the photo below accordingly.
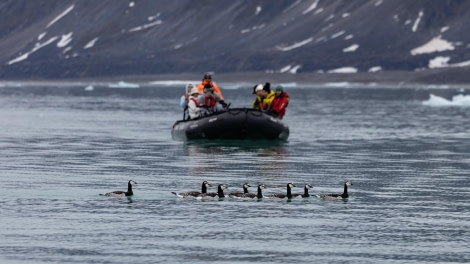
(185, 97)
(279, 104)
(264, 96)
(210, 100)
(194, 108)
(207, 79)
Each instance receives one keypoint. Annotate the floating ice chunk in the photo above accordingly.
(337, 84)
(89, 88)
(131, 4)
(123, 84)
(173, 82)
(457, 100)
(436, 44)
(351, 48)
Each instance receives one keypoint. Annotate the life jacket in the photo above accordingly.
(195, 101)
(209, 101)
(266, 102)
(280, 103)
(200, 88)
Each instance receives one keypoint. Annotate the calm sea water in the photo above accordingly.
(61, 145)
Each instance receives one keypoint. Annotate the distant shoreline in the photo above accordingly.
(447, 76)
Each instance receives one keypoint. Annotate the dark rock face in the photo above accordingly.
(88, 38)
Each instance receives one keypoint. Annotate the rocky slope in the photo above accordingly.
(93, 39)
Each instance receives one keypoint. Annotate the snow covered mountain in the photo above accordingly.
(89, 38)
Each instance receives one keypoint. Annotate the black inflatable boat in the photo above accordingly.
(236, 123)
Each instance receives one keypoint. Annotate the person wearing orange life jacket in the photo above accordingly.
(207, 79)
(194, 108)
(264, 96)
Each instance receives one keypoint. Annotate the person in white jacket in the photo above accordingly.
(194, 109)
(185, 97)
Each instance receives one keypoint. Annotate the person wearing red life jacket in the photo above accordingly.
(209, 100)
(207, 79)
(279, 104)
(194, 108)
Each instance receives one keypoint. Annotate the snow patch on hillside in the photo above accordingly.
(258, 10)
(149, 25)
(351, 48)
(436, 44)
(36, 48)
(91, 43)
(375, 69)
(61, 15)
(295, 45)
(344, 70)
(443, 62)
(415, 25)
(311, 7)
(65, 40)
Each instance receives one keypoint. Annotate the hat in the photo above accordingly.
(279, 88)
(207, 75)
(267, 87)
(258, 87)
(194, 91)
